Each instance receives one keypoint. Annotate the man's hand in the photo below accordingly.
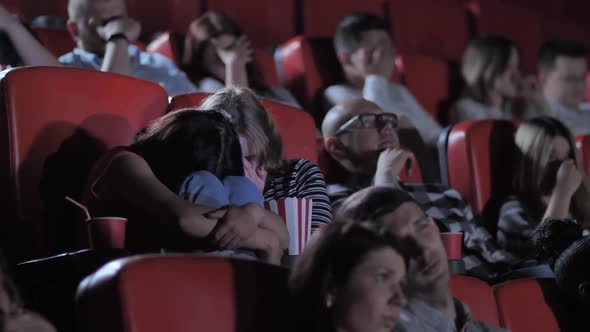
(390, 164)
(378, 61)
(235, 225)
(122, 25)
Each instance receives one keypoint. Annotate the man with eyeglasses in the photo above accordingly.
(364, 141)
(104, 36)
(562, 75)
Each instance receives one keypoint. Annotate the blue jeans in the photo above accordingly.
(204, 188)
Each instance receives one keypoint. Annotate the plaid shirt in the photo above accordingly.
(483, 258)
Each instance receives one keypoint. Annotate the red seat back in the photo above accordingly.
(295, 126)
(478, 295)
(57, 41)
(431, 92)
(321, 18)
(444, 35)
(583, 148)
(265, 22)
(479, 161)
(55, 123)
(526, 305)
(183, 293)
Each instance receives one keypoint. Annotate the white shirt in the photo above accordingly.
(145, 65)
(578, 121)
(391, 98)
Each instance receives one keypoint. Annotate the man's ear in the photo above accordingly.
(72, 29)
(335, 148)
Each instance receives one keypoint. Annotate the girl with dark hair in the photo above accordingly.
(547, 183)
(218, 54)
(490, 70)
(349, 280)
(191, 155)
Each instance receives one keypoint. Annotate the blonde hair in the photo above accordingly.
(533, 141)
(252, 121)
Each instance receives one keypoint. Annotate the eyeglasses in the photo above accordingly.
(369, 121)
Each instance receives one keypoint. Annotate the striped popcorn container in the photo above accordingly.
(296, 212)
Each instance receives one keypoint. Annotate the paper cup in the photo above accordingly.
(296, 212)
(453, 243)
(106, 232)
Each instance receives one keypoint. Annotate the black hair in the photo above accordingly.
(189, 140)
(554, 48)
(552, 236)
(373, 203)
(348, 33)
(328, 263)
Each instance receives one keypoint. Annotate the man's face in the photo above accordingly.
(365, 144)
(566, 83)
(428, 270)
(97, 14)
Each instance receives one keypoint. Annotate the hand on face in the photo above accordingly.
(390, 164)
(378, 61)
(239, 53)
(121, 25)
(569, 178)
(255, 174)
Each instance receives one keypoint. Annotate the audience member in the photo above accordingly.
(18, 46)
(194, 154)
(562, 73)
(348, 280)
(262, 153)
(490, 69)
(218, 54)
(430, 307)
(104, 33)
(13, 317)
(363, 140)
(547, 183)
(366, 52)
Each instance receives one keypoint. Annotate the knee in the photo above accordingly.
(204, 188)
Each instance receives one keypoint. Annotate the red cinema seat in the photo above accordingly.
(168, 44)
(428, 79)
(55, 123)
(162, 15)
(583, 147)
(520, 25)
(321, 18)
(265, 22)
(183, 293)
(478, 295)
(479, 162)
(295, 126)
(440, 31)
(307, 66)
(57, 41)
(528, 305)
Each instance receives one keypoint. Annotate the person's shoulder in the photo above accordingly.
(300, 167)
(152, 58)
(70, 58)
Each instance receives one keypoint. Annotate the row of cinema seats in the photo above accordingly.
(56, 122)
(218, 295)
(300, 32)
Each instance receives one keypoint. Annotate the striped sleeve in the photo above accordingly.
(305, 180)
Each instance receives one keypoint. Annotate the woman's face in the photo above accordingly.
(508, 82)
(252, 169)
(372, 298)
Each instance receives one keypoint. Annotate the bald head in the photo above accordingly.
(341, 113)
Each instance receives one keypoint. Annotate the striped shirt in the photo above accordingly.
(302, 179)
